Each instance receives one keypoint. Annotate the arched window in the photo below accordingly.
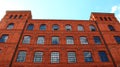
(92, 28)
(10, 26)
(26, 39)
(55, 27)
(43, 27)
(15, 16)
(68, 27)
(10, 16)
(30, 27)
(20, 16)
(80, 28)
(111, 28)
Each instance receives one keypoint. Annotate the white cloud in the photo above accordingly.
(116, 9)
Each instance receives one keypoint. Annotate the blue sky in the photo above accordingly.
(61, 9)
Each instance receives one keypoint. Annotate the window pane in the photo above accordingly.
(20, 16)
(21, 56)
(15, 16)
(43, 27)
(38, 56)
(69, 40)
(88, 57)
(111, 28)
(40, 40)
(83, 40)
(117, 39)
(92, 28)
(68, 27)
(103, 56)
(55, 40)
(30, 27)
(97, 40)
(55, 57)
(55, 27)
(10, 16)
(10, 26)
(71, 57)
(4, 38)
(80, 28)
(26, 40)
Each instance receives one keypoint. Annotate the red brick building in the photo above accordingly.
(27, 42)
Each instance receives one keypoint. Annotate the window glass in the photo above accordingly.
(40, 40)
(111, 28)
(105, 18)
(101, 18)
(3, 39)
(88, 57)
(97, 40)
(80, 28)
(71, 57)
(69, 40)
(21, 56)
(83, 40)
(117, 39)
(43, 27)
(109, 19)
(15, 16)
(55, 40)
(92, 28)
(103, 56)
(55, 57)
(20, 16)
(26, 39)
(10, 16)
(30, 27)
(55, 27)
(68, 28)
(38, 56)
(10, 26)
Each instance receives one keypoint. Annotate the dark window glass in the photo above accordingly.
(3, 39)
(105, 18)
(10, 16)
(15, 16)
(111, 28)
(55, 27)
(117, 39)
(109, 19)
(43, 27)
(97, 40)
(30, 27)
(88, 57)
(103, 56)
(55, 40)
(92, 28)
(101, 18)
(20, 16)
(10, 26)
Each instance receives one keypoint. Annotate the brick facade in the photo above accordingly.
(10, 49)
